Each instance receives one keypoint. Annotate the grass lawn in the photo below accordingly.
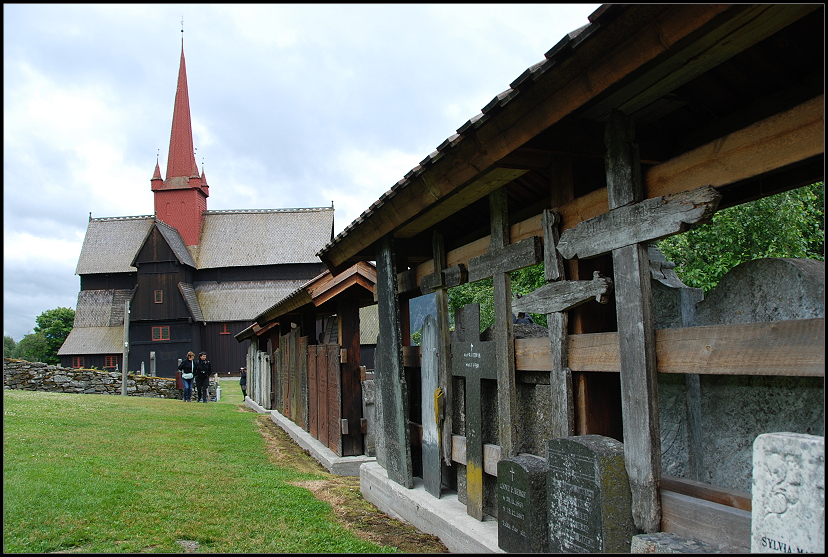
(102, 474)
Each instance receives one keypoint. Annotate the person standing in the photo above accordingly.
(203, 371)
(187, 369)
(243, 382)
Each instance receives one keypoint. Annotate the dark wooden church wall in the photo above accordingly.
(109, 281)
(223, 350)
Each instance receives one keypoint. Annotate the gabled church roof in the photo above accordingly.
(227, 239)
(110, 244)
(263, 237)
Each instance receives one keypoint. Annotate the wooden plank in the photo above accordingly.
(313, 394)
(777, 141)
(302, 364)
(334, 401)
(525, 253)
(708, 492)
(794, 348)
(645, 221)
(725, 527)
(348, 311)
(563, 295)
(633, 305)
(392, 396)
(507, 419)
(491, 454)
(322, 378)
(429, 383)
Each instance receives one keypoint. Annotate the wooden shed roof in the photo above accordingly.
(725, 95)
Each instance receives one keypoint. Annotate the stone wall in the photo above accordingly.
(28, 376)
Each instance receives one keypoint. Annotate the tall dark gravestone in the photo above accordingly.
(588, 491)
(522, 523)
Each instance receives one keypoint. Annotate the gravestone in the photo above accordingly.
(522, 524)
(474, 360)
(788, 508)
(588, 494)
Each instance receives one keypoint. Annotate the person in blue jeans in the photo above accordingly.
(187, 369)
(203, 371)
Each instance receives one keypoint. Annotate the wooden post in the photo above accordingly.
(389, 373)
(126, 350)
(429, 382)
(503, 336)
(636, 337)
(348, 311)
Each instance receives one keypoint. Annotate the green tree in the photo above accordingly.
(55, 325)
(34, 347)
(788, 224)
(9, 347)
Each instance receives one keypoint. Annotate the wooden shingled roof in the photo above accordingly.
(111, 244)
(319, 295)
(725, 95)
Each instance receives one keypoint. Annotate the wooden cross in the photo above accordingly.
(555, 299)
(474, 360)
(498, 262)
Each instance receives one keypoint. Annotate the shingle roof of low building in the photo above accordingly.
(93, 340)
(241, 301)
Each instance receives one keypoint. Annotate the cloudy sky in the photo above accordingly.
(292, 106)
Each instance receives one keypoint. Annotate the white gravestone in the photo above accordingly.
(788, 511)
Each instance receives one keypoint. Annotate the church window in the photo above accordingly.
(159, 296)
(77, 361)
(161, 333)
(110, 361)
(224, 330)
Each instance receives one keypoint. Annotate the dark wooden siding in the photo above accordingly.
(184, 336)
(223, 350)
(109, 281)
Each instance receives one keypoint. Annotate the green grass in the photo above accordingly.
(102, 474)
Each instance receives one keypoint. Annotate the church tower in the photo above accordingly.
(181, 198)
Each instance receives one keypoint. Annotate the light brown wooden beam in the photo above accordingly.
(793, 348)
(777, 141)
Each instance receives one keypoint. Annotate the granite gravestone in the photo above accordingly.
(589, 498)
(788, 509)
(522, 525)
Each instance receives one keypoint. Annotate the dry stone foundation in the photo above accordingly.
(29, 376)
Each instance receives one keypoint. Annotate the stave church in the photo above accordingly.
(185, 278)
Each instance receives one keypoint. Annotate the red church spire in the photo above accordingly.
(181, 160)
(181, 199)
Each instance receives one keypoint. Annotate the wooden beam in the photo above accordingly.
(721, 526)
(786, 138)
(721, 495)
(794, 348)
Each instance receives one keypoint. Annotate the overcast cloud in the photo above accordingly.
(292, 106)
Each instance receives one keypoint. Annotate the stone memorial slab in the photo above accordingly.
(588, 493)
(522, 525)
(788, 509)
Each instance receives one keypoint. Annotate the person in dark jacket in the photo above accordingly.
(202, 376)
(187, 369)
(243, 382)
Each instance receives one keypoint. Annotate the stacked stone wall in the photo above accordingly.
(29, 376)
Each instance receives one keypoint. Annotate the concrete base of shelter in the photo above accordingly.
(339, 465)
(445, 517)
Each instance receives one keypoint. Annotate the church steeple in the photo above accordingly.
(181, 198)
